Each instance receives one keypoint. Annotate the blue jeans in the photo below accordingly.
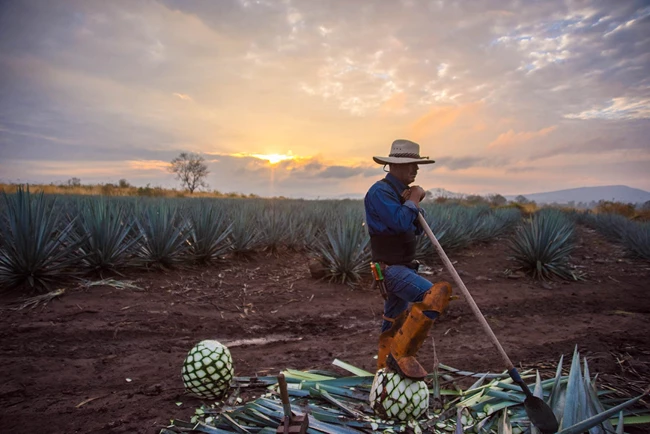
(403, 285)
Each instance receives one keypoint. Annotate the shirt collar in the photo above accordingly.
(396, 182)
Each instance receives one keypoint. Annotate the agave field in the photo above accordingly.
(103, 297)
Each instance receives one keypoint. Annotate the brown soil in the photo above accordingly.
(107, 360)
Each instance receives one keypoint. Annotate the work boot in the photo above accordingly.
(386, 339)
(410, 337)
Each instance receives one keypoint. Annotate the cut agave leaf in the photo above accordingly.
(353, 369)
(504, 423)
(341, 405)
(575, 401)
(584, 425)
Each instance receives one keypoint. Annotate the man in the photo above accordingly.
(392, 210)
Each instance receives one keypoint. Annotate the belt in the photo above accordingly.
(413, 265)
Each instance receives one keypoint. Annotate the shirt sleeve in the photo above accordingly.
(418, 227)
(395, 216)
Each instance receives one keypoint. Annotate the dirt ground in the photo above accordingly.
(108, 360)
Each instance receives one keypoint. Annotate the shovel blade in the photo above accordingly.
(541, 415)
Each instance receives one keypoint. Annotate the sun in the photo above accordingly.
(274, 158)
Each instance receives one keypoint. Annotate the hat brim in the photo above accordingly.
(400, 160)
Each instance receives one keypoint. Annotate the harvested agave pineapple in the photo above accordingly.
(207, 370)
(398, 398)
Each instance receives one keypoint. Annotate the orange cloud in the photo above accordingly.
(511, 138)
(440, 118)
(148, 165)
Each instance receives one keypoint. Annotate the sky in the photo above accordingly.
(295, 97)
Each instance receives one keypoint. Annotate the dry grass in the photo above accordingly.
(114, 190)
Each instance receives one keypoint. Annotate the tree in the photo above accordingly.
(190, 169)
(475, 199)
(497, 200)
(123, 183)
(522, 199)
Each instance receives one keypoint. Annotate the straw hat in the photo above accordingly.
(403, 152)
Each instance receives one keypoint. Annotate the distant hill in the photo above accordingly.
(616, 193)
(441, 192)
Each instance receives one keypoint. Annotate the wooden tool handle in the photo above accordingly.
(284, 395)
(465, 291)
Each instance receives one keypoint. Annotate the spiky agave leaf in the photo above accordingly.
(244, 234)
(163, 235)
(274, 229)
(302, 230)
(107, 234)
(613, 226)
(494, 223)
(451, 224)
(344, 253)
(209, 232)
(542, 246)
(637, 239)
(37, 248)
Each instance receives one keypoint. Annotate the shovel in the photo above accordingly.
(539, 413)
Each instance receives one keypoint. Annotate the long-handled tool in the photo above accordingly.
(539, 413)
(291, 423)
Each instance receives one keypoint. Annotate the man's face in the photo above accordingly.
(405, 172)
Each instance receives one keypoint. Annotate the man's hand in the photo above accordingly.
(416, 194)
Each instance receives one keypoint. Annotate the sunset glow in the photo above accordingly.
(270, 158)
(273, 158)
(506, 97)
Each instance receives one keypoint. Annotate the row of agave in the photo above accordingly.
(492, 404)
(46, 238)
(633, 235)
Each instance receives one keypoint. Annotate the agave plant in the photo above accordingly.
(274, 229)
(494, 223)
(542, 246)
(37, 248)
(637, 240)
(107, 235)
(302, 234)
(344, 253)
(163, 235)
(209, 231)
(244, 234)
(452, 226)
(612, 226)
(492, 404)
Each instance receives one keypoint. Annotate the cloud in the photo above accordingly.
(468, 162)
(141, 165)
(340, 172)
(597, 144)
(95, 84)
(617, 109)
(439, 119)
(512, 138)
(183, 96)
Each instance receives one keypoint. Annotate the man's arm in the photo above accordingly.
(393, 214)
(416, 192)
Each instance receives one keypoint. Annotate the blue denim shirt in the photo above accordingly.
(385, 214)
